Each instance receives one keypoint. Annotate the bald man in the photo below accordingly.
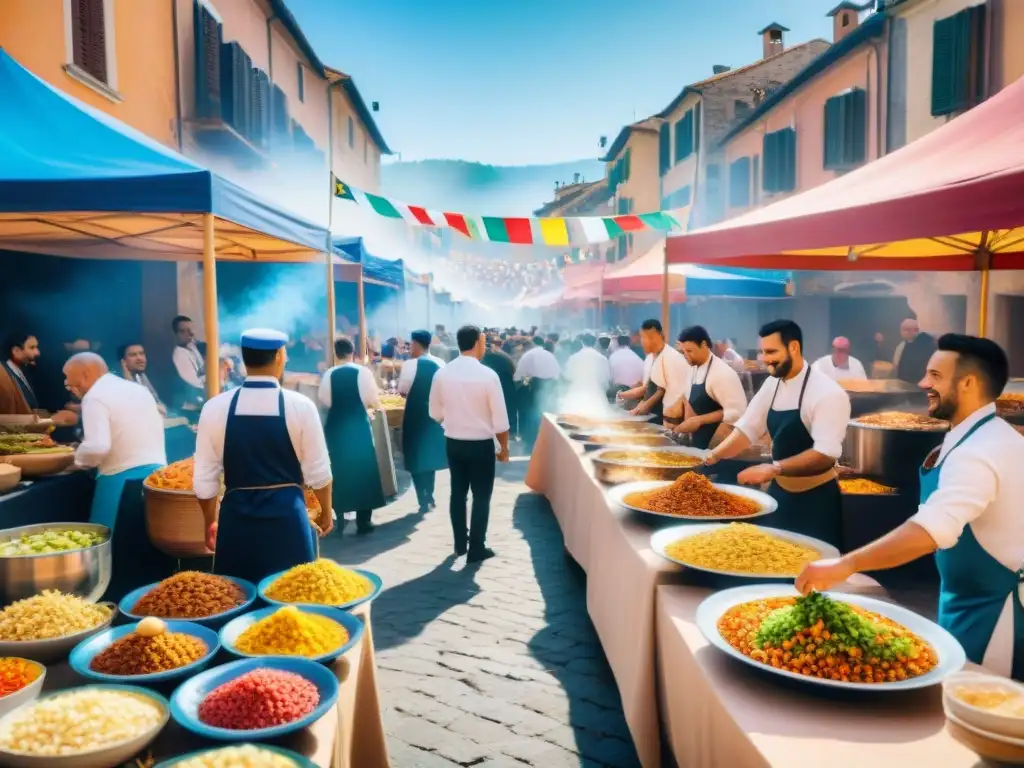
(124, 431)
(913, 353)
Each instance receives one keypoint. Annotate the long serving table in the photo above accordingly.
(63, 498)
(675, 689)
(352, 736)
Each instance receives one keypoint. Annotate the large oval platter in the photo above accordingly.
(619, 493)
(660, 540)
(951, 654)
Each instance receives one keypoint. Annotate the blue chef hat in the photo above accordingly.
(265, 339)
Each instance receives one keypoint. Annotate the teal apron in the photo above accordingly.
(263, 526)
(702, 404)
(973, 585)
(107, 498)
(423, 446)
(816, 512)
(357, 484)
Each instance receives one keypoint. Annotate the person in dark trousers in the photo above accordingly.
(467, 400)
(423, 445)
(503, 365)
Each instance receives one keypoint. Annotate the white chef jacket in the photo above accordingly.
(853, 371)
(408, 374)
(981, 485)
(301, 417)
(627, 368)
(366, 382)
(588, 369)
(825, 411)
(122, 425)
(670, 371)
(466, 398)
(723, 385)
(537, 363)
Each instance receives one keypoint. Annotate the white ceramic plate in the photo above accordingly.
(951, 654)
(620, 492)
(660, 540)
(983, 733)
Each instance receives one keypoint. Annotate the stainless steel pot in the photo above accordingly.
(82, 572)
(891, 456)
(877, 395)
(613, 471)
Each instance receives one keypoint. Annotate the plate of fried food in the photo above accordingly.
(692, 496)
(829, 639)
(740, 550)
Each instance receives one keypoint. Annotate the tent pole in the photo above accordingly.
(430, 292)
(210, 308)
(665, 316)
(983, 304)
(361, 299)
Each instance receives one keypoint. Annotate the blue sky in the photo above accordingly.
(516, 82)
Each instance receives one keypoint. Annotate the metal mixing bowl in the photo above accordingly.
(83, 572)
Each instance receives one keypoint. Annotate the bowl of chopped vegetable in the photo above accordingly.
(21, 680)
(73, 558)
(47, 626)
(316, 632)
(87, 727)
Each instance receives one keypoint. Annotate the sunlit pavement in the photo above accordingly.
(494, 665)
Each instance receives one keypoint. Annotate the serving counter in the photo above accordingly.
(351, 736)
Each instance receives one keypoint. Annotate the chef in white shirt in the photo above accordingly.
(417, 350)
(666, 376)
(969, 513)
(588, 369)
(467, 400)
(627, 367)
(189, 364)
(840, 365)
(123, 431)
(537, 363)
(806, 414)
(725, 350)
(715, 393)
(538, 373)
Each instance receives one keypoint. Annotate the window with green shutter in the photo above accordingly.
(958, 61)
(845, 140)
(696, 127)
(684, 136)
(739, 183)
(664, 149)
(625, 165)
(755, 179)
(779, 152)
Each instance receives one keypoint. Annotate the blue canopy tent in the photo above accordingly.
(77, 182)
(375, 279)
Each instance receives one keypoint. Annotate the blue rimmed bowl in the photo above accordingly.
(186, 699)
(353, 627)
(295, 757)
(374, 579)
(83, 654)
(216, 621)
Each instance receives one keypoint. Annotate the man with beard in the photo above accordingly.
(806, 414)
(715, 393)
(18, 395)
(133, 368)
(969, 513)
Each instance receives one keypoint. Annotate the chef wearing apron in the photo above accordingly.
(665, 374)
(348, 391)
(805, 413)
(424, 450)
(268, 443)
(969, 513)
(715, 395)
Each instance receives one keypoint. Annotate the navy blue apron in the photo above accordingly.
(263, 526)
(657, 412)
(357, 484)
(815, 512)
(702, 404)
(423, 446)
(973, 585)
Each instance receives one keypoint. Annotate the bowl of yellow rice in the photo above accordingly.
(740, 550)
(316, 632)
(322, 582)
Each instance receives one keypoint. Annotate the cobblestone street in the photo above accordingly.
(491, 666)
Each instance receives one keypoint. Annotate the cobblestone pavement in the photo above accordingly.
(495, 666)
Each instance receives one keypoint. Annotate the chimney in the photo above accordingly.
(772, 39)
(720, 69)
(575, 178)
(845, 19)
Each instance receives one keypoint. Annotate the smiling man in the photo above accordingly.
(969, 513)
(806, 414)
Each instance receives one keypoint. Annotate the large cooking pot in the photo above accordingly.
(873, 395)
(82, 572)
(888, 454)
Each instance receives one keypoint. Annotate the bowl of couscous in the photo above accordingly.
(248, 755)
(45, 627)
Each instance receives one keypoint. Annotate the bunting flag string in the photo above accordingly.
(519, 230)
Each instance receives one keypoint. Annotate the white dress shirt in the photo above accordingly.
(408, 374)
(670, 371)
(188, 362)
(537, 363)
(588, 369)
(626, 367)
(825, 411)
(466, 398)
(301, 417)
(723, 385)
(366, 382)
(122, 425)
(853, 369)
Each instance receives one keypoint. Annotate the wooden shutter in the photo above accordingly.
(755, 179)
(855, 127)
(769, 181)
(833, 139)
(279, 114)
(302, 83)
(958, 44)
(664, 149)
(260, 95)
(89, 37)
(739, 183)
(696, 127)
(207, 31)
(625, 165)
(788, 174)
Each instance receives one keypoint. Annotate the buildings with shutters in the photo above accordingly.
(631, 171)
(583, 198)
